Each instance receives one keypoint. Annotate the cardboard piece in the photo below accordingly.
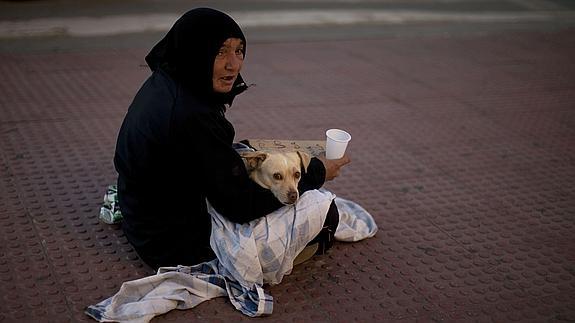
(313, 147)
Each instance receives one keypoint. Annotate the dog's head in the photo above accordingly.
(280, 172)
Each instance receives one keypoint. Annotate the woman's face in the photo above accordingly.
(227, 65)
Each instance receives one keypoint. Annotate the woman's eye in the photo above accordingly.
(278, 176)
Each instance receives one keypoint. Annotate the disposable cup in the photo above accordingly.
(336, 143)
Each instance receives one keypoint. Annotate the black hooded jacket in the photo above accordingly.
(174, 149)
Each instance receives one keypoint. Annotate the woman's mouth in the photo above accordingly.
(228, 79)
(224, 83)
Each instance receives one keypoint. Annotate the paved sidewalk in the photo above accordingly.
(64, 25)
(463, 150)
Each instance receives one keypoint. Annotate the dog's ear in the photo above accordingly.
(305, 159)
(253, 159)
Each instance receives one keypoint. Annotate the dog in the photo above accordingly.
(280, 172)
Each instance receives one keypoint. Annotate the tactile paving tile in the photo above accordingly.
(88, 259)
(71, 86)
(462, 150)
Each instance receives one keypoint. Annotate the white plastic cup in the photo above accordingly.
(336, 143)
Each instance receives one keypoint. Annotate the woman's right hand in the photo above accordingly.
(333, 166)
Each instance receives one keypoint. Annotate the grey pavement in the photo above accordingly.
(67, 25)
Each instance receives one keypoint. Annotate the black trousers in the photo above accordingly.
(325, 237)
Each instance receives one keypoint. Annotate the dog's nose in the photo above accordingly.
(292, 196)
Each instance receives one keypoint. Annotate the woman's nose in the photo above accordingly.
(233, 62)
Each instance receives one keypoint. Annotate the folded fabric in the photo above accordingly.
(355, 223)
(248, 256)
(181, 287)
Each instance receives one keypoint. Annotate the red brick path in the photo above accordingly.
(463, 149)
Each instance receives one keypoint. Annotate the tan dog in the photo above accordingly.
(280, 172)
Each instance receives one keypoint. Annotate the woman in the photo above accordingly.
(174, 148)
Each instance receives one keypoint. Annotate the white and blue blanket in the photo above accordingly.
(248, 256)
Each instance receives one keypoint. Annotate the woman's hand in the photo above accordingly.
(333, 166)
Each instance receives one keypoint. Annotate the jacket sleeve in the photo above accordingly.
(314, 178)
(222, 173)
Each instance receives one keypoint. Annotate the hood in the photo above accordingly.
(188, 50)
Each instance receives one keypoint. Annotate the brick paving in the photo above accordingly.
(463, 150)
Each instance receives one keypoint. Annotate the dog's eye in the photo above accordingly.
(278, 176)
(297, 175)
